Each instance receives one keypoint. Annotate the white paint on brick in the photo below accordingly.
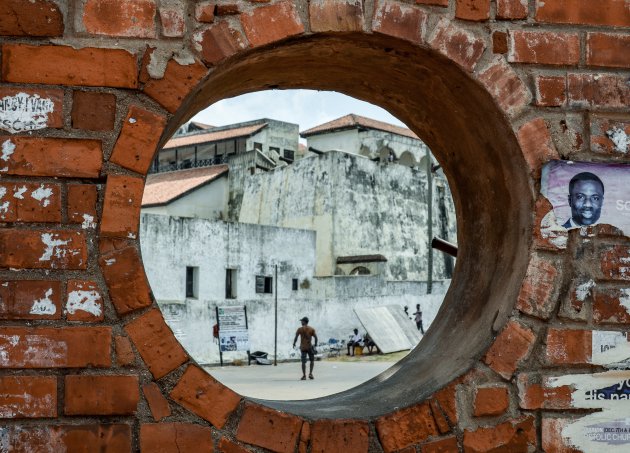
(8, 148)
(132, 120)
(624, 299)
(610, 349)
(42, 194)
(552, 231)
(584, 290)
(19, 192)
(88, 301)
(44, 306)
(4, 208)
(3, 192)
(24, 112)
(620, 139)
(88, 222)
(607, 431)
(110, 261)
(53, 247)
(585, 385)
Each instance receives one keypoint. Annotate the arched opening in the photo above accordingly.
(480, 157)
(406, 158)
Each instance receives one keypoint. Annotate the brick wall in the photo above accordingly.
(88, 88)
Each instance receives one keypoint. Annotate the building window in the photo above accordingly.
(258, 146)
(289, 154)
(192, 284)
(273, 148)
(264, 284)
(360, 270)
(230, 283)
(294, 284)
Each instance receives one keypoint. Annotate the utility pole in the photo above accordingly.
(275, 327)
(429, 223)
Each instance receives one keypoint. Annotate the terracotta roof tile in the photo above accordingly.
(212, 136)
(353, 121)
(162, 188)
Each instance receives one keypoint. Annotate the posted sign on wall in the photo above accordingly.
(233, 335)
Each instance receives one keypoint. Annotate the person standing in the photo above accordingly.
(418, 319)
(306, 334)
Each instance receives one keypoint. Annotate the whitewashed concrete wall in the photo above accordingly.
(207, 202)
(356, 206)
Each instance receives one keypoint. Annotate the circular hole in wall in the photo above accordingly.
(251, 222)
(472, 139)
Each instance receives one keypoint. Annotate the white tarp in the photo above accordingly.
(389, 327)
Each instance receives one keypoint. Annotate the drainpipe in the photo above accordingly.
(429, 223)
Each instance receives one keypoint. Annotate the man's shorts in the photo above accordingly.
(310, 353)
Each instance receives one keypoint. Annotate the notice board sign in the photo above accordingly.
(233, 335)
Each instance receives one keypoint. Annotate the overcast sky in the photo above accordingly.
(307, 108)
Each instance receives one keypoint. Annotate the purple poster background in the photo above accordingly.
(616, 178)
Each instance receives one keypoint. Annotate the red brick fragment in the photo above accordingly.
(30, 299)
(93, 111)
(611, 305)
(535, 395)
(85, 301)
(137, 143)
(510, 348)
(443, 3)
(32, 18)
(126, 281)
(29, 202)
(584, 12)
(28, 396)
(513, 435)
(68, 438)
(598, 90)
(121, 207)
(45, 249)
(475, 10)
(499, 42)
(131, 19)
(614, 263)
(349, 436)
(544, 48)
(203, 395)
(269, 429)
(538, 293)
(175, 438)
(446, 445)
(59, 65)
(101, 395)
(220, 41)
(406, 427)
(332, 15)
(399, 20)
(457, 44)
(610, 136)
(157, 403)
(568, 347)
(226, 9)
(173, 21)
(552, 439)
(82, 200)
(124, 353)
(204, 12)
(512, 9)
(491, 401)
(608, 50)
(227, 446)
(551, 91)
(267, 24)
(505, 86)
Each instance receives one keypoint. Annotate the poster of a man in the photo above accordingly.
(586, 197)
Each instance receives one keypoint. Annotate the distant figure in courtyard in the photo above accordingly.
(355, 340)
(407, 311)
(306, 334)
(586, 197)
(418, 319)
(369, 343)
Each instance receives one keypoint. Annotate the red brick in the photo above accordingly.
(203, 395)
(227, 446)
(30, 299)
(512, 9)
(548, 235)
(446, 445)
(568, 347)
(85, 302)
(68, 438)
(38, 108)
(584, 12)
(443, 3)
(573, 305)
(551, 91)
(406, 427)
(544, 48)
(399, 20)
(156, 343)
(447, 399)
(598, 90)
(220, 41)
(34, 156)
(510, 348)
(177, 82)
(204, 12)
(512, 436)
(137, 143)
(93, 111)
(173, 21)
(552, 439)
(175, 438)
(28, 396)
(33, 18)
(505, 86)
(132, 19)
(536, 144)
(82, 200)
(538, 293)
(491, 401)
(611, 305)
(610, 136)
(614, 263)
(440, 419)
(47, 347)
(538, 395)
(101, 395)
(457, 44)
(349, 436)
(126, 281)
(58, 65)
(269, 429)
(226, 9)
(46, 249)
(124, 353)
(121, 207)
(157, 403)
(500, 42)
(608, 50)
(332, 15)
(267, 24)
(476, 10)
(28, 202)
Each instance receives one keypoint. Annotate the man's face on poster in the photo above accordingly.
(586, 199)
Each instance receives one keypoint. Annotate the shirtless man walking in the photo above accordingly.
(305, 333)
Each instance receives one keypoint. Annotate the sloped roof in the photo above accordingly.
(199, 125)
(353, 121)
(163, 188)
(213, 136)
